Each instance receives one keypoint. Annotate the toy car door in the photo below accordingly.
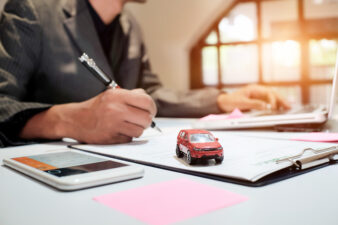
(184, 143)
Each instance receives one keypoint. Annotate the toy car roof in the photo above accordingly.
(196, 131)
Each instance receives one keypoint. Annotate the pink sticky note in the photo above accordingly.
(318, 137)
(171, 201)
(236, 114)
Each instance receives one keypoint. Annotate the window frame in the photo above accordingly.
(305, 82)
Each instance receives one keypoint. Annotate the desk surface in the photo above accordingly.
(307, 199)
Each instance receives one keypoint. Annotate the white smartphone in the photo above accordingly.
(72, 170)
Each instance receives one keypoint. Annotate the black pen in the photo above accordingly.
(106, 80)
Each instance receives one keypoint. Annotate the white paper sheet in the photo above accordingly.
(246, 158)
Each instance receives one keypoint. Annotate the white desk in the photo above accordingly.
(307, 199)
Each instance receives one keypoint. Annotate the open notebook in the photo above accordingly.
(247, 160)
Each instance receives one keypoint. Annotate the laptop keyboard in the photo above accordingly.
(306, 109)
(300, 110)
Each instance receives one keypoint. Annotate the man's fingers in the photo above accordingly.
(130, 129)
(248, 104)
(277, 101)
(140, 99)
(282, 103)
(272, 100)
(139, 90)
(119, 139)
(138, 116)
(116, 138)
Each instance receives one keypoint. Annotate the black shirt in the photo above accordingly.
(111, 37)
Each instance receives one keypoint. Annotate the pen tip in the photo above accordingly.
(158, 129)
(153, 125)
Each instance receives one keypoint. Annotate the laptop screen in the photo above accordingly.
(334, 90)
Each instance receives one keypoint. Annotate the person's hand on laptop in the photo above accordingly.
(252, 97)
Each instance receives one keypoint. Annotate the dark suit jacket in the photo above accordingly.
(40, 42)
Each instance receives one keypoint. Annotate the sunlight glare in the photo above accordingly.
(241, 27)
(286, 53)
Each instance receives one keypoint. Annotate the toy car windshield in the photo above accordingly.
(201, 138)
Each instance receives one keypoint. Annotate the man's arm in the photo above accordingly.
(170, 103)
(111, 117)
(20, 45)
(197, 103)
(114, 116)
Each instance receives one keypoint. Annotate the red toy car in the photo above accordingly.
(198, 144)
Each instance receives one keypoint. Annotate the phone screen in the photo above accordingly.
(68, 163)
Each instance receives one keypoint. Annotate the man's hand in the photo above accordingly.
(114, 116)
(252, 97)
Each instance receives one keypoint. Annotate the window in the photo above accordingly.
(289, 45)
(201, 138)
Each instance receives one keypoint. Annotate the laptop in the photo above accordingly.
(302, 118)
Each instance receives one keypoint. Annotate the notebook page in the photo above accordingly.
(246, 158)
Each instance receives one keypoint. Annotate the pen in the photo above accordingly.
(106, 80)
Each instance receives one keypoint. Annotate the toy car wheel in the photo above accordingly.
(190, 159)
(178, 152)
(219, 159)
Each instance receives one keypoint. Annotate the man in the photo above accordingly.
(45, 92)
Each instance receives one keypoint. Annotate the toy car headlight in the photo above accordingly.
(220, 148)
(197, 149)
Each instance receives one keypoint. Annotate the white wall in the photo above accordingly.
(170, 27)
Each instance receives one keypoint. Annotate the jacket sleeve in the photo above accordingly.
(20, 46)
(170, 103)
